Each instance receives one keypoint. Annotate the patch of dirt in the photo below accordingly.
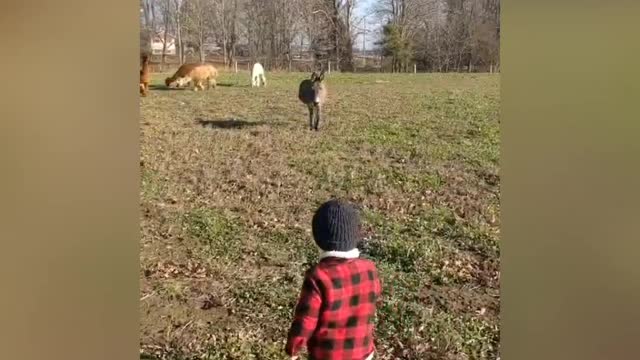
(463, 301)
(465, 193)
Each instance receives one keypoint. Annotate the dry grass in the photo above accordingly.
(230, 179)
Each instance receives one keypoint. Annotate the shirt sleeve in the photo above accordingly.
(378, 288)
(305, 316)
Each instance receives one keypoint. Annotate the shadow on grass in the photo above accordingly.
(164, 87)
(232, 123)
(189, 87)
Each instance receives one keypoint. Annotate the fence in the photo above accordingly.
(362, 64)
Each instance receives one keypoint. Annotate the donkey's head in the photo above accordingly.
(317, 76)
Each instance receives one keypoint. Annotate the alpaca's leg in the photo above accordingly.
(263, 79)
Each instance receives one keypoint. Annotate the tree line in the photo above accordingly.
(433, 35)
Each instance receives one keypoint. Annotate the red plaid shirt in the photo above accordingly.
(336, 309)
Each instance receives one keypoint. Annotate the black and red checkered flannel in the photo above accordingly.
(336, 310)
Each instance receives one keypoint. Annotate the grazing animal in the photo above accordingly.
(145, 76)
(257, 76)
(198, 74)
(313, 93)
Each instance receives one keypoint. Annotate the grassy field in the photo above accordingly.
(230, 180)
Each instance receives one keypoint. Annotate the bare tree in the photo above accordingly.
(177, 13)
(441, 35)
(437, 35)
(166, 11)
(148, 27)
(198, 22)
(333, 37)
(227, 18)
(271, 27)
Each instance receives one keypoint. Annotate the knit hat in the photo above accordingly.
(336, 226)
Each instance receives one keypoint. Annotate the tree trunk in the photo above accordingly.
(164, 41)
(224, 51)
(201, 38)
(148, 22)
(223, 16)
(180, 45)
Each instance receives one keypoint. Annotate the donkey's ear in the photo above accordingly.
(321, 76)
(313, 75)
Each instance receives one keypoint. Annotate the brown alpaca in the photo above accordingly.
(198, 74)
(145, 76)
(313, 93)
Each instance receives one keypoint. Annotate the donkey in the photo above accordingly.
(313, 93)
(257, 76)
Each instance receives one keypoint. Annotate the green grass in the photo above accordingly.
(227, 210)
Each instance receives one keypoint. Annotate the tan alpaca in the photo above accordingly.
(200, 75)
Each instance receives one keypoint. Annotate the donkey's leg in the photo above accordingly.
(318, 111)
(311, 117)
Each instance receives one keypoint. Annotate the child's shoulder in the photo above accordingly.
(366, 263)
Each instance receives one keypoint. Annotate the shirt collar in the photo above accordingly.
(351, 254)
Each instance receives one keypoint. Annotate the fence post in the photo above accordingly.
(329, 70)
(235, 66)
(415, 68)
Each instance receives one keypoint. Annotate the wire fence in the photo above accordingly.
(361, 64)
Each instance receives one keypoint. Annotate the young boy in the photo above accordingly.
(336, 309)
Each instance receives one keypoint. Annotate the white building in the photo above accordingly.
(157, 44)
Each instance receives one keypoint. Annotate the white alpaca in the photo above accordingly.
(257, 76)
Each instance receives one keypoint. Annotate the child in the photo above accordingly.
(336, 309)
